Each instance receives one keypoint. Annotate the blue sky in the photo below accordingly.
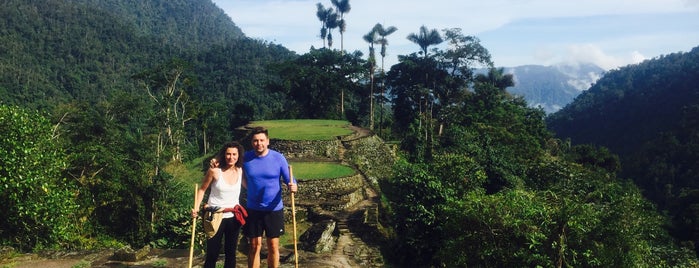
(609, 33)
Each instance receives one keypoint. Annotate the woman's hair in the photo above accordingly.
(221, 155)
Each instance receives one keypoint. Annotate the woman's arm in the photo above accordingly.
(205, 182)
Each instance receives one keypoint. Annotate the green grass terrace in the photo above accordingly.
(305, 129)
(320, 170)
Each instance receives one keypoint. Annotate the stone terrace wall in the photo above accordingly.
(371, 156)
(328, 150)
(331, 194)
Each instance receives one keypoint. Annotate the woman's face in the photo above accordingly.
(231, 156)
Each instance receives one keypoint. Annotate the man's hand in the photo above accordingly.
(293, 187)
(213, 163)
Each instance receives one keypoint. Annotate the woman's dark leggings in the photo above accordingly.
(228, 232)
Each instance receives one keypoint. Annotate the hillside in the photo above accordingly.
(55, 52)
(103, 107)
(647, 114)
(633, 104)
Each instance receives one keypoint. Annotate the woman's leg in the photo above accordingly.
(231, 241)
(213, 248)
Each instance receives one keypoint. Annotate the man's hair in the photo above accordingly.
(258, 130)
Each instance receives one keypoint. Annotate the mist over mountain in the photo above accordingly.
(553, 87)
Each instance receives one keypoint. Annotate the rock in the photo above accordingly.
(126, 254)
(319, 238)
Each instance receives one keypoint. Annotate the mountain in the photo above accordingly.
(648, 114)
(54, 52)
(552, 87)
(633, 104)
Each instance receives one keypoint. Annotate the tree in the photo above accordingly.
(425, 38)
(112, 162)
(372, 38)
(323, 15)
(383, 32)
(342, 6)
(463, 53)
(166, 85)
(39, 207)
(314, 80)
(410, 81)
(331, 23)
(496, 78)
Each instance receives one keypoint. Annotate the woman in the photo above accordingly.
(225, 182)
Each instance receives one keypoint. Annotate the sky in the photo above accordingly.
(608, 33)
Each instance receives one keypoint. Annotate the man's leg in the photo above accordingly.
(254, 252)
(273, 252)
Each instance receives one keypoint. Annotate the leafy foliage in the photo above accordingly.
(646, 113)
(495, 189)
(40, 209)
(481, 182)
(315, 82)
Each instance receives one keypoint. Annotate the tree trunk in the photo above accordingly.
(371, 100)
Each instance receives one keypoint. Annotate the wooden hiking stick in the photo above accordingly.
(194, 227)
(293, 218)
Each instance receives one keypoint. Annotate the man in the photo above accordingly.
(263, 167)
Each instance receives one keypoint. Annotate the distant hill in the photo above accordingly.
(54, 52)
(552, 87)
(648, 114)
(633, 104)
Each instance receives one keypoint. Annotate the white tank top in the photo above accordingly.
(225, 195)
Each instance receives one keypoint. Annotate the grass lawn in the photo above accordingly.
(305, 129)
(320, 170)
(190, 172)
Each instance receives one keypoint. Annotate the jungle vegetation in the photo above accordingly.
(100, 99)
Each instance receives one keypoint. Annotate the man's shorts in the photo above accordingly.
(271, 223)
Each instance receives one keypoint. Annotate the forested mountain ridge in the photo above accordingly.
(648, 113)
(552, 87)
(126, 112)
(55, 52)
(631, 105)
(118, 80)
(192, 25)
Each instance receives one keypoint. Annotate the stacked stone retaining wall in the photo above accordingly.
(308, 150)
(334, 194)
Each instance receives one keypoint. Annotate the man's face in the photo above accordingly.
(260, 143)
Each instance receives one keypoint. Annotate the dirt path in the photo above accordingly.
(350, 251)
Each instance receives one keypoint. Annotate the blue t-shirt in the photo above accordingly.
(262, 174)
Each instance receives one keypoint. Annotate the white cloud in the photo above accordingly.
(593, 54)
(294, 25)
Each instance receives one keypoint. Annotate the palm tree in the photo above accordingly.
(331, 23)
(371, 38)
(342, 7)
(322, 13)
(426, 38)
(497, 78)
(383, 32)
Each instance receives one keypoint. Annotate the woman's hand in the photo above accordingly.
(195, 213)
